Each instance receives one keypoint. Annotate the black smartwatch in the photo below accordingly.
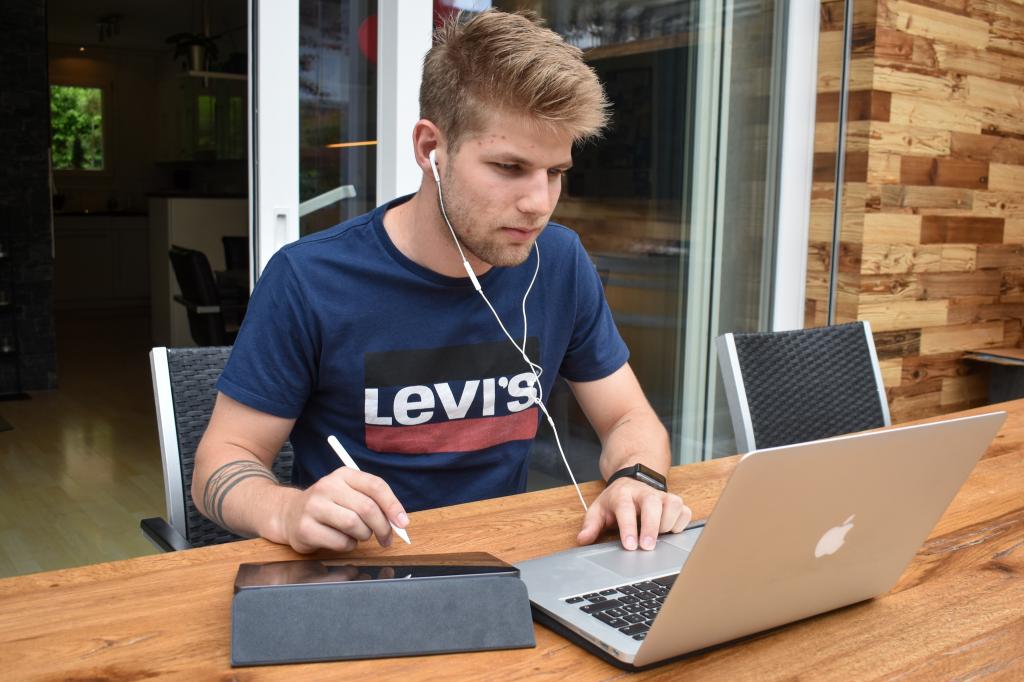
(641, 473)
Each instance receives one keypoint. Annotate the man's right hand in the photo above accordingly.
(233, 485)
(338, 511)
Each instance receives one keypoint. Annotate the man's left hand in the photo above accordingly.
(625, 500)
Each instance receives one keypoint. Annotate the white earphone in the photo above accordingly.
(536, 369)
(433, 165)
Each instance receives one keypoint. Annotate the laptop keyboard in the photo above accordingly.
(630, 609)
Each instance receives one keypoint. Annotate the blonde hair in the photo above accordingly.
(512, 63)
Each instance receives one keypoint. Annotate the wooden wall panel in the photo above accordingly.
(1005, 177)
(933, 225)
(940, 26)
(943, 229)
(991, 148)
(892, 228)
(1013, 231)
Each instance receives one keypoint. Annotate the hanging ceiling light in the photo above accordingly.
(108, 26)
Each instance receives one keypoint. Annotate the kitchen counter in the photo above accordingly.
(104, 214)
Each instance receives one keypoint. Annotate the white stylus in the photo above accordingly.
(347, 460)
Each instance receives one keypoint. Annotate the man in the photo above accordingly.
(373, 332)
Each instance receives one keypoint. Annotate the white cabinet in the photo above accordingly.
(193, 223)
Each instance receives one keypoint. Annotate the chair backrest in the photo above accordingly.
(797, 386)
(184, 389)
(195, 276)
(236, 252)
(198, 288)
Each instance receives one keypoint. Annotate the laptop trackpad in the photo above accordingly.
(665, 558)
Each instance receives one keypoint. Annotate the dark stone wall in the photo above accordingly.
(27, 338)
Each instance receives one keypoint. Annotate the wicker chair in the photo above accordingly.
(797, 386)
(184, 388)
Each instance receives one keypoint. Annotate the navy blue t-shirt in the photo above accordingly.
(407, 367)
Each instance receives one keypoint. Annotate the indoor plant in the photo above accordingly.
(198, 50)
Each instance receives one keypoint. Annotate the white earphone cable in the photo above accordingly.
(535, 369)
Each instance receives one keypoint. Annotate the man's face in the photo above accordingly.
(501, 187)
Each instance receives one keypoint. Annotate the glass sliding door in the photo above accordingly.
(744, 228)
(827, 299)
(273, 128)
(337, 111)
(676, 204)
(319, 150)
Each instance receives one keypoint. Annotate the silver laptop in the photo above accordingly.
(798, 530)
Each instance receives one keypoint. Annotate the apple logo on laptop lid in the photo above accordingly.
(833, 538)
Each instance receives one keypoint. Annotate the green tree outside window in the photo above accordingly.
(76, 127)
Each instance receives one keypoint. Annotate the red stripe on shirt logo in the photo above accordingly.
(463, 435)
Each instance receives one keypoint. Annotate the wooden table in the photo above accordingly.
(958, 611)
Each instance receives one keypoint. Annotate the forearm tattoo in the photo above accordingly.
(223, 480)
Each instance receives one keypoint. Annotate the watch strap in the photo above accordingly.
(640, 473)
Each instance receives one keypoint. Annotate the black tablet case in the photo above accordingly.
(380, 618)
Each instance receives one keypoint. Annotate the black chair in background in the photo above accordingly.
(184, 389)
(236, 253)
(213, 319)
(798, 386)
(233, 282)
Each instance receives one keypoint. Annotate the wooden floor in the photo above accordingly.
(82, 465)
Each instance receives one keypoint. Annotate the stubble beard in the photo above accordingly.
(485, 246)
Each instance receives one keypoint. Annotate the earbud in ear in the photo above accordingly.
(433, 165)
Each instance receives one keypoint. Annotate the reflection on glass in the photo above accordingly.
(630, 195)
(307, 571)
(337, 107)
(235, 142)
(747, 227)
(206, 123)
(826, 143)
(626, 195)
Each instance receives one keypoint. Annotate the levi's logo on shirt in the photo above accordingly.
(450, 399)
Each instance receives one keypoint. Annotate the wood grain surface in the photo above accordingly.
(955, 613)
(933, 203)
(81, 466)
